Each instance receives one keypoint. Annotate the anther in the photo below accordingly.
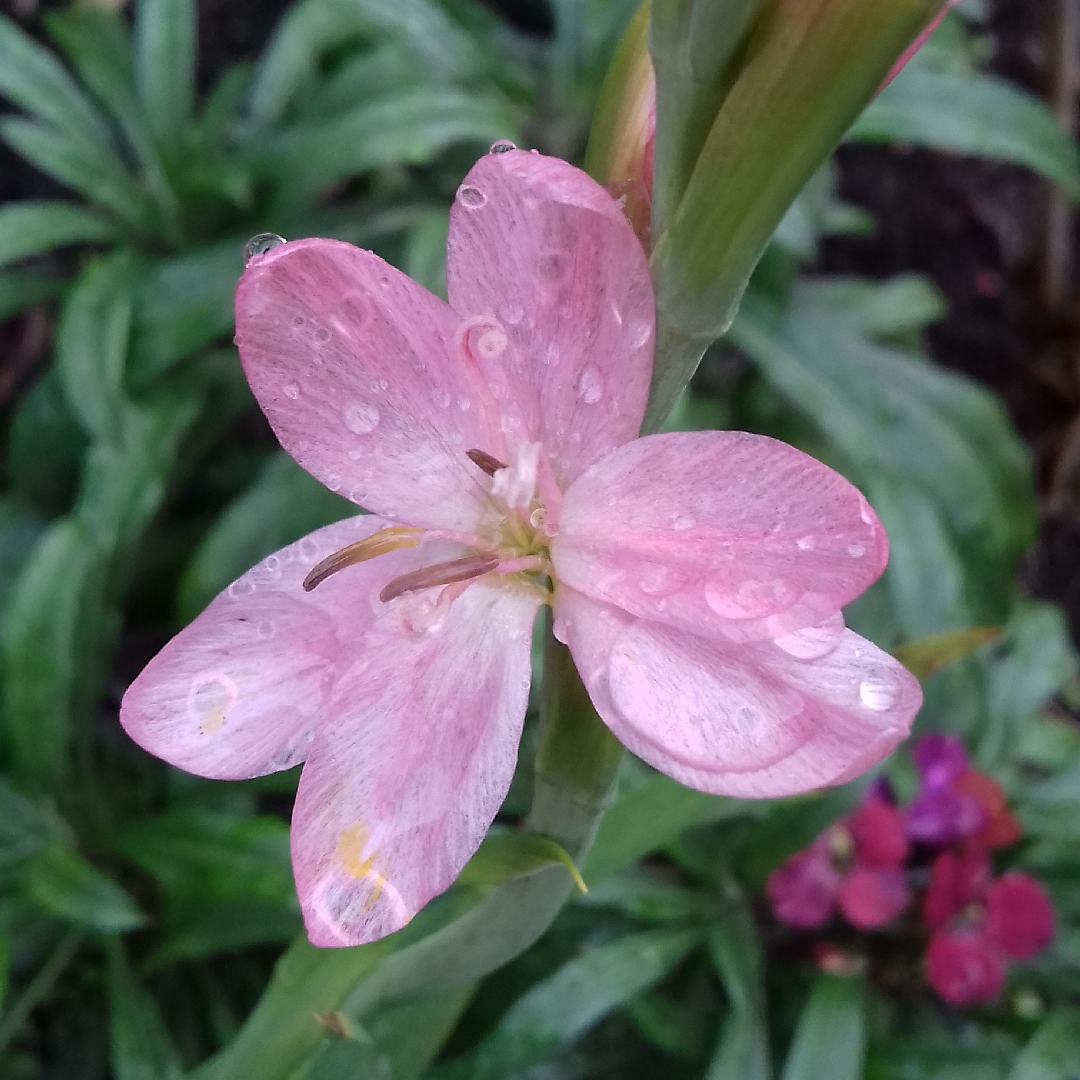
(485, 461)
(472, 566)
(380, 543)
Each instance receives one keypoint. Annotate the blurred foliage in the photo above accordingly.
(141, 909)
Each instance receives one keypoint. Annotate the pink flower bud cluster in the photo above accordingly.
(864, 868)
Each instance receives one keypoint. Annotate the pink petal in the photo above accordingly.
(871, 897)
(803, 891)
(720, 533)
(356, 368)
(547, 272)
(409, 772)
(1019, 916)
(878, 831)
(963, 968)
(746, 720)
(240, 691)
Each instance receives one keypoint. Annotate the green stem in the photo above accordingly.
(39, 987)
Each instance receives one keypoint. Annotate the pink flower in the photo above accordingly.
(857, 865)
(696, 578)
(918, 43)
(979, 924)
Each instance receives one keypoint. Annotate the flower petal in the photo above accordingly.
(555, 291)
(406, 777)
(356, 369)
(803, 891)
(963, 968)
(720, 533)
(239, 692)
(870, 897)
(1019, 916)
(745, 720)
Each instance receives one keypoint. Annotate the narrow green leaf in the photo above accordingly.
(19, 289)
(20, 529)
(1054, 1050)
(985, 117)
(641, 895)
(830, 1039)
(63, 883)
(282, 505)
(927, 655)
(558, 1011)
(505, 855)
(649, 815)
(25, 828)
(164, 61)
(95, 170)
(91, 344)
(140, 1045)
(30, 228)
(32, 78)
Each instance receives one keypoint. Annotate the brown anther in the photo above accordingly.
(472, 566)
(485, 461)
(380, 543)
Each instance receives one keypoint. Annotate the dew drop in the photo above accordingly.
(298, 320)
(856, 551)
(750, 600)
(322, 334)
(261, 244)
(292, 390)
(241, 588)
(238, 340)
(638, 334)
(502, 146)
(538, 518)
(464, 404)
(265, 629)
(471, 198)
(659, 581)
(357, 495)
(877, 694)
(309, 549)
(361, 419)
(590, 387)
(806, 543)
(333, 482)
(273, 566)
(511, 314)
(865, 512)
(814, 642)
(680, 523)
(442, 399)
(490, 343)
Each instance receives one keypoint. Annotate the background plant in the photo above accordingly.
(142, 908)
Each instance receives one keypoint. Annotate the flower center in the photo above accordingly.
(512, 537)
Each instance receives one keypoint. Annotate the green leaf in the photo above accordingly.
(19, 289)
(1054, 1050)
(930, 654)
(140, 1045)
(409, 128)
(20, 529)
(32, 78)
(830, 1039)
(641, 895)
(30, 228)
(558, 1011)
(91, 344)
(95, 170)
(984, 117)
(282, 505)
(25, 828)
(505, 855)
(648, 815)
(63, 883)
(164, 61)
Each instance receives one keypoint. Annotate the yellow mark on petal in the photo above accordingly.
(350, 854)
(210, 700)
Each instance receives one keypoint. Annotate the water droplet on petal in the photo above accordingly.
(856, 551)
(292, 390)
(590, 387)
(659, 581)
(273, 566)
(361, 419)
(464, 404)
(471, 198)
(241, 588)
(265, 629)
(878, 694)
(638, 334)
(298, 320)
(357, 495)
(210, 699)
(322, 334)
(749, 600)
(806, 543)
(511, 314)
(865, 511)
(333, 482)
(442, 399)
(261, 244)
(502, 146)
(814, 642)
(682, 522)
(309, 549)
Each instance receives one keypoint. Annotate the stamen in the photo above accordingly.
(380, 543)
(484, 461)
(472, 566)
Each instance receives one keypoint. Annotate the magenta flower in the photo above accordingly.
(856, 866)
(941, 813)
(696, 578)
